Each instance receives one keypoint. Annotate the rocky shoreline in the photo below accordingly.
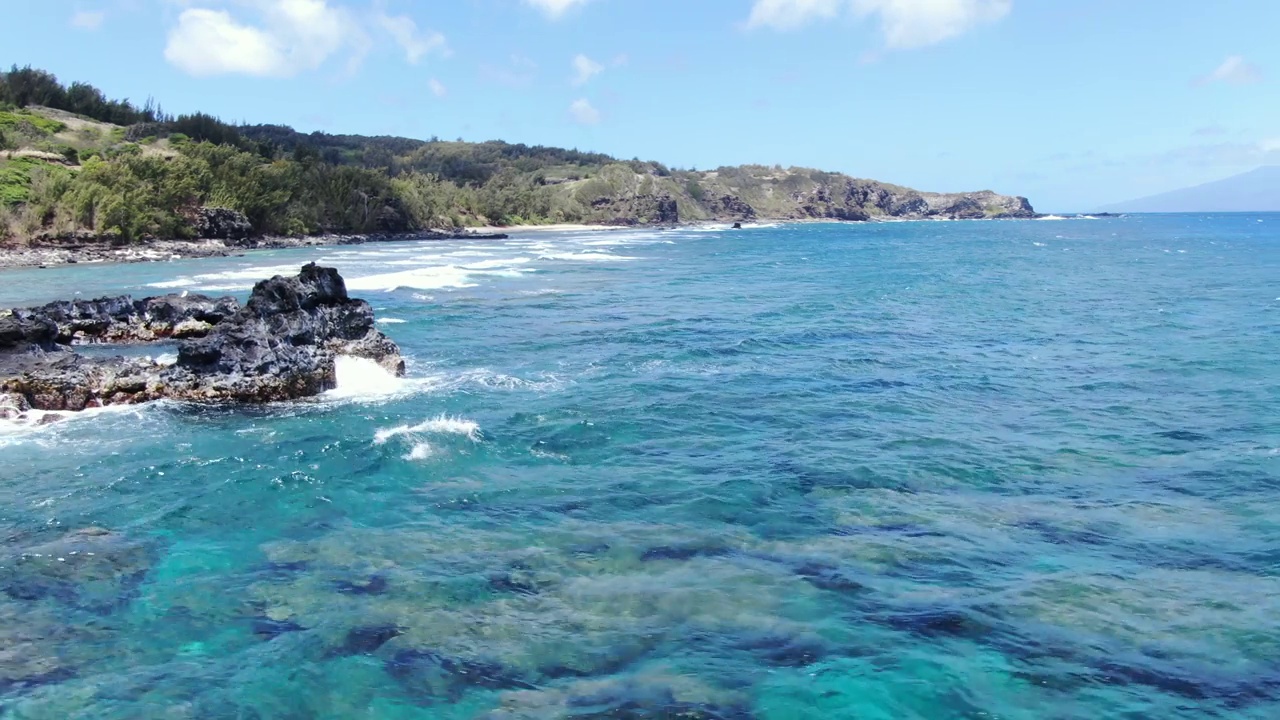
(70, 251)
(282, 344)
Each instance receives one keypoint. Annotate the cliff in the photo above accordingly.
(619, 194)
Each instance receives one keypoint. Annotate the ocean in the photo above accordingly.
(1013, 470)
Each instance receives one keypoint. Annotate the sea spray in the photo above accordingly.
(441, 425)
(359, 378)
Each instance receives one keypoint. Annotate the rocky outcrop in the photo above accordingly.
(667, 211)
(861, 200)
(731, 207)
(282, 345)
(125, 320)
(637, 210)
(219, 223)
(976, 206)
(624, 195)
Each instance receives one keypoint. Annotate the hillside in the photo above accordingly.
(76, 165)
(1255, 191)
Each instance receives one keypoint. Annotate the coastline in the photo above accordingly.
(95, 252)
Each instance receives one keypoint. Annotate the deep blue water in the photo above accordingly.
(919, 470)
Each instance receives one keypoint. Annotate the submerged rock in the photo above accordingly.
(92, 569)
(636, 697)
(282, 345)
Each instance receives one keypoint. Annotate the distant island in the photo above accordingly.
(1254, 191)
(79, 168)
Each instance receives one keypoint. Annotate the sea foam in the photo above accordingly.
(441, 425)
(586, 257)
(363, 379)
(429, 278)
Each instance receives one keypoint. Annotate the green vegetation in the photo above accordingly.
(74, 162)
(131, 173)
(29, 123)
(15, 179)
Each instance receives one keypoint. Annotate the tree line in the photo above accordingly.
(151, 180)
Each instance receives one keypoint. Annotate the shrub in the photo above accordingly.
(35, 124)
(695, 190)
(71, 154)
(15, 179)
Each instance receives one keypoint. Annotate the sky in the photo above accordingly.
(1072, 103)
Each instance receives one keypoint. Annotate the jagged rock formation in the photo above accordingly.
(730, 207)
(637, 210)
(282, 345)
(218, 223)
(125, 320)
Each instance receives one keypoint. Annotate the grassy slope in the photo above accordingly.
(53, 139)
(579, 187)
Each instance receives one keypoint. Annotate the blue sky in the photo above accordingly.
(1074, 103)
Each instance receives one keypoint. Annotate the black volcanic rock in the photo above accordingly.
(731, 207)
(219, 223)
(282, 345)
(125, 320)
(21, 334)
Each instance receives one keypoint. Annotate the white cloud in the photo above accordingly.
(1235, 70)
(555, 8)
(88, 20)
(904, 24)
(909, 24)
(211, 42)
(414, 43)
(1270, 145)
(584, 113)
(437, 88)
(584, 68)
(791, 14)
(290, 36)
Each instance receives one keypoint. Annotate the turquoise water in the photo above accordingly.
(917, 470)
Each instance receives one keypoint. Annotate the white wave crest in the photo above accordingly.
(429, 278)
(586, 257)
(500, 263)
(242, 279)
(441, 425)
(37, 422)
(391, 321)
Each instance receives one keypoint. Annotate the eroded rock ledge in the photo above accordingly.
(281, 345)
